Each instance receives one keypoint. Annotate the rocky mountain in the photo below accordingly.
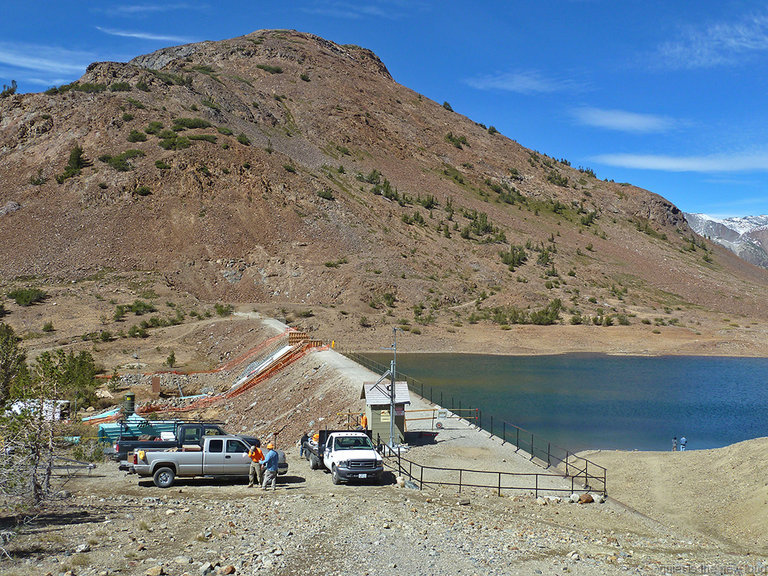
(745, 236)
(283, 169)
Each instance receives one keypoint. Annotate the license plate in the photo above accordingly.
(362, 475)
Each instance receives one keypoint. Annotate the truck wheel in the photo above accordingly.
(335, 476)
(314, 463)
(164, 478)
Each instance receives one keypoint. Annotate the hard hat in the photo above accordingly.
(270, 446)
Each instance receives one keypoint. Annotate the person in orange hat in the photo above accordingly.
(271, 461)
(255, 471)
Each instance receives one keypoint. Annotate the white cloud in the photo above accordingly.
(143, 9)
(49, 59)
(528, 82)
(145, 35)
(754, 162)
(623, 121)
(391, 10)
(716, 44)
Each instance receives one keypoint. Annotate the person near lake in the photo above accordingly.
(683, 443)
(271, 461)
(255, 471)
(674, 444)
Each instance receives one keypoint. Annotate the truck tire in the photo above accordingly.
(314, 463)
(335, 475)
(164, 477)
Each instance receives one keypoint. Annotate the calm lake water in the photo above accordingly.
(593, 401)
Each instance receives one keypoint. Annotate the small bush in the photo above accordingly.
(447, 106)
(127, 117)
(159, 164)
(48, 326)
(270, 69)
(289, 168)
(154, 127)
(205, 137)
(224, 130)
(137, 136)
(9, 90)
(142, 86)
(326, 194)
(120, 162)
(120, 87)
(27, 296)
(143, 191)
(191, 123)
(136, 104)
(305, 77)
(77, 162)
(243, 139)
(224, 310)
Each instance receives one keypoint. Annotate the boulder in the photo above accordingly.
(586, 498)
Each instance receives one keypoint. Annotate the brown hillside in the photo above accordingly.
(265, 202)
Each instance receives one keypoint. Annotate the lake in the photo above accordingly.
(581, 401)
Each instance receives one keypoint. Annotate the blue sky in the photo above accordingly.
(670, 96)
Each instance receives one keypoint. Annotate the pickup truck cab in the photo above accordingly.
(219, 457)
(186, 434)
(347, 455)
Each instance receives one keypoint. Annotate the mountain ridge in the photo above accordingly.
(282, 169)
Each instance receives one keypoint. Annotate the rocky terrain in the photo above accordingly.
(285, 172)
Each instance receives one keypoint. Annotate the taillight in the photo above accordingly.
(135, 458)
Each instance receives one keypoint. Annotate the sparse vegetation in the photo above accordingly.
(224, 310)
(77, 161)
(137, 136)
(9, 90)
(270, 69)
(120, 87)
(243, 139)
(121, 161)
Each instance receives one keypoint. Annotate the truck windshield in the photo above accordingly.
(352, 443)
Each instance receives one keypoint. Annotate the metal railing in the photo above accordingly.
(496, 480)
(539, 450)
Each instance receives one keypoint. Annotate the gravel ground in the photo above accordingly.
(112, 523)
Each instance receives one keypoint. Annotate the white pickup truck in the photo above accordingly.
(219, 456)
(347, 454)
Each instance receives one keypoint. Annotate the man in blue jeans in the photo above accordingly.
(271, 461)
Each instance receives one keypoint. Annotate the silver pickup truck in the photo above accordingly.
(219, 456)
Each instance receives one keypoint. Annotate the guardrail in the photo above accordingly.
(593, 476)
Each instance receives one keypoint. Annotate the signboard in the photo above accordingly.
(385, 416)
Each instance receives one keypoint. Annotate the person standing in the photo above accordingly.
(271, 461)
(674, 444)
(683, 443)
(302, 448)
(255, 471)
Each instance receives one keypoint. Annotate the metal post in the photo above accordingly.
(460, 481)
(536, 492)
(499, 483)
(549, 463)
(479, 420)
(517, 439)
(441, 398)
(491, 424)
(421, 478)
(504, 432)
(566, 463)
(531, 445)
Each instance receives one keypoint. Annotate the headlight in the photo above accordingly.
(343, 464)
